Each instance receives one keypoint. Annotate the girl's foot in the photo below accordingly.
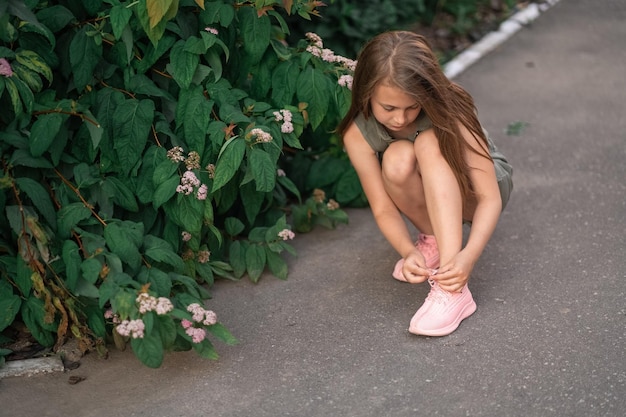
(442, 312)
(427, 245)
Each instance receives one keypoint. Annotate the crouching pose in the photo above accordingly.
(419, 150)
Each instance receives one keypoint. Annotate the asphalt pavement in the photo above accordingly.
(548, 338)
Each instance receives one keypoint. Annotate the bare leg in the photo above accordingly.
(442, 195)
(403, 183)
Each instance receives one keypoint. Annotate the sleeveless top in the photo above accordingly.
(379, 139)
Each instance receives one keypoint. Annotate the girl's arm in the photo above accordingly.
(488, 203)
(387, 216)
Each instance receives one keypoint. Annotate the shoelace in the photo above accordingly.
(437, 294)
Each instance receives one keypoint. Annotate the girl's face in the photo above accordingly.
(394, 109)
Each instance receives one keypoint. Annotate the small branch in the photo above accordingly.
(89, 206)
(82, 116)
(156, 138)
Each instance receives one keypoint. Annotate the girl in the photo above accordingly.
(419, 150)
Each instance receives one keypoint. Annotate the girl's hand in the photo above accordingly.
(454, 275)
(414, 268)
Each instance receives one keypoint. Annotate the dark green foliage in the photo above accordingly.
(142, 157)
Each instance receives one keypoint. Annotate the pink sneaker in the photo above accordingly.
(427, 244)
(442, 312)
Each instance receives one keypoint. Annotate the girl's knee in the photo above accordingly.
(399, 162)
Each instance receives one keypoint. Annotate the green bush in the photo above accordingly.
(150, 146)
(347, 24)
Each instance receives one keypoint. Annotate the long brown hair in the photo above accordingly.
(405, 60)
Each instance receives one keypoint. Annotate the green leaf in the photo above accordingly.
(22, 279)
(141, 84)
(263, 169)
(218, 12)
(132, 121)
(182, 64)
(32, 80)
(159, 281)
(120, 16)
(123, 302)
(33, 26)
(232, 114)
(95, 131)
(116, 283)
(55, 17)
(14, 214)
(34, 62)
(72, 259)
(255, 32)
(124, 239)
(258, 234)
(86, 289)
(205, 350)
(194, 111)
(284, 80)
(9, 307)
(348, 187)
(255, 262)
(167, 330)
(25, 94)
(85, 55)
(215, 63)
(149, 349)
(289, 185)
(199, 46)
(164, 191)
(313, 88)
(108, 101)
(95, 320)
(161, 251)
(33, 313)
(164, 171)
(120, 193)
(343, 98)
(69, 216)
(218, 330)
(90, 269)
(191, 286)
(237, 258)
(190, 211)
(14, 95)
(39, 196)
(154, 32)
(301, 219)
(229, 161)
(252, 201)
(22, 157)
(85, 175)
(233, 226)
(159, 10)
(325, 171)
(276, 264)
(516, 128)
(154, 52)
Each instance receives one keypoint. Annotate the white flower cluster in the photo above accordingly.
(200, 315)
(132, 328)
(286, 234)
(161, 305)
(317, 48)
(284, 116)
(261, 135)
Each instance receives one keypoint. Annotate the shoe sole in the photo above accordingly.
(444, 331)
